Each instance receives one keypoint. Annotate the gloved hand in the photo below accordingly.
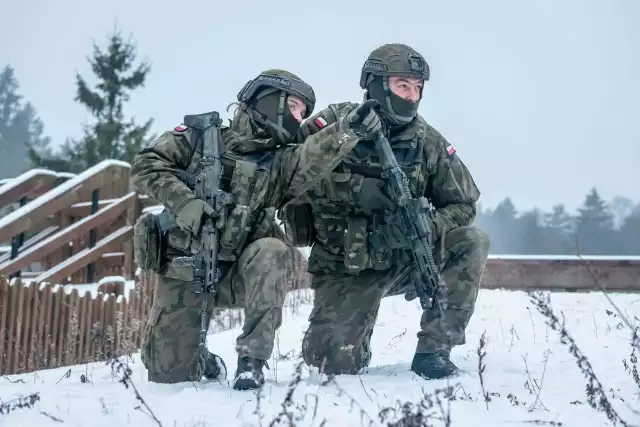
(189, 217)
(394, 234)
(364, 120)
(372, 197)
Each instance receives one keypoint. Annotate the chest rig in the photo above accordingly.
(247, 217)
(346, 235)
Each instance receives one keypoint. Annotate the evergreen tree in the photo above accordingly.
(560, 231)
(529, 237)
(594, 226)
(111, 136)
(620, 208)
(20, 127)
(629, 234)
(502, 224)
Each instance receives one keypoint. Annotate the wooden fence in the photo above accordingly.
(44, 326)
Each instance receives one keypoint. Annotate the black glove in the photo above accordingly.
(372, 197)
(393, 231)
(364, 120)
(191, 215)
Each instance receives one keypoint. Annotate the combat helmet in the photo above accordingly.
(266, 96)
(393, 59)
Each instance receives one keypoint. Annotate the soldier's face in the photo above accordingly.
(297, 107)
(408, 88)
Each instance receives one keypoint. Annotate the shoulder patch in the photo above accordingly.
(450, 149)
(320, 122)
(180, 128)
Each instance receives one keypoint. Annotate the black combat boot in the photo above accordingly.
(433, 366)
(249, 374)
(215, 368)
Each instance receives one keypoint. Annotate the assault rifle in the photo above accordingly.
(205, 248)
(414, 223)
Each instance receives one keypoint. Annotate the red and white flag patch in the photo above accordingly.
(450, 149)
(180, 128)
(320, 122)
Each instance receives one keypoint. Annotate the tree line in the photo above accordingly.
(598, 227)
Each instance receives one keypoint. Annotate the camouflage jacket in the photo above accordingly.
(276, 176)
(434, 171)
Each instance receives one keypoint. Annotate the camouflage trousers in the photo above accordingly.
(258, 282)
(346, 307)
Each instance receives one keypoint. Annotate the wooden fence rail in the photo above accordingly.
(43, 326)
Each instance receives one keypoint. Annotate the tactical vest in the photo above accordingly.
(345, 236)
(247, 179)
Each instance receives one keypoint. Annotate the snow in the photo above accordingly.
(14, 182)
(154, 210)
(59, 190)
(112, 279)
(518, 342)
(82, 288)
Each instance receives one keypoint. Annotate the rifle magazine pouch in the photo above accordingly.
(356, 245)
(147, 243)
(298, 224)
(380, 253)
(236, 230)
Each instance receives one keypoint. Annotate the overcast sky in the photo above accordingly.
(538, 96)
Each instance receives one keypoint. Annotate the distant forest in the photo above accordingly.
(597, 228)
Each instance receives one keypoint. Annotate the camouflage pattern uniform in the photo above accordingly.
(358, 256)
(262, 173)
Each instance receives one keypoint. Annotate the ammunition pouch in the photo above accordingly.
(362, 249)
(148, 243)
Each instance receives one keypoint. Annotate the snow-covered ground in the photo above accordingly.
(529, 374)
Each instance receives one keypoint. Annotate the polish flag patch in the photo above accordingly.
(450, 149)
(180, 128)
(320, 122)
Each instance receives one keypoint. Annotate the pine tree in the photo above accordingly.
(111, 136)
(529, 236)
(559, 226)
(629, 234)
(499, 224)
(20, 127)
(594, 226)
(621, 207)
